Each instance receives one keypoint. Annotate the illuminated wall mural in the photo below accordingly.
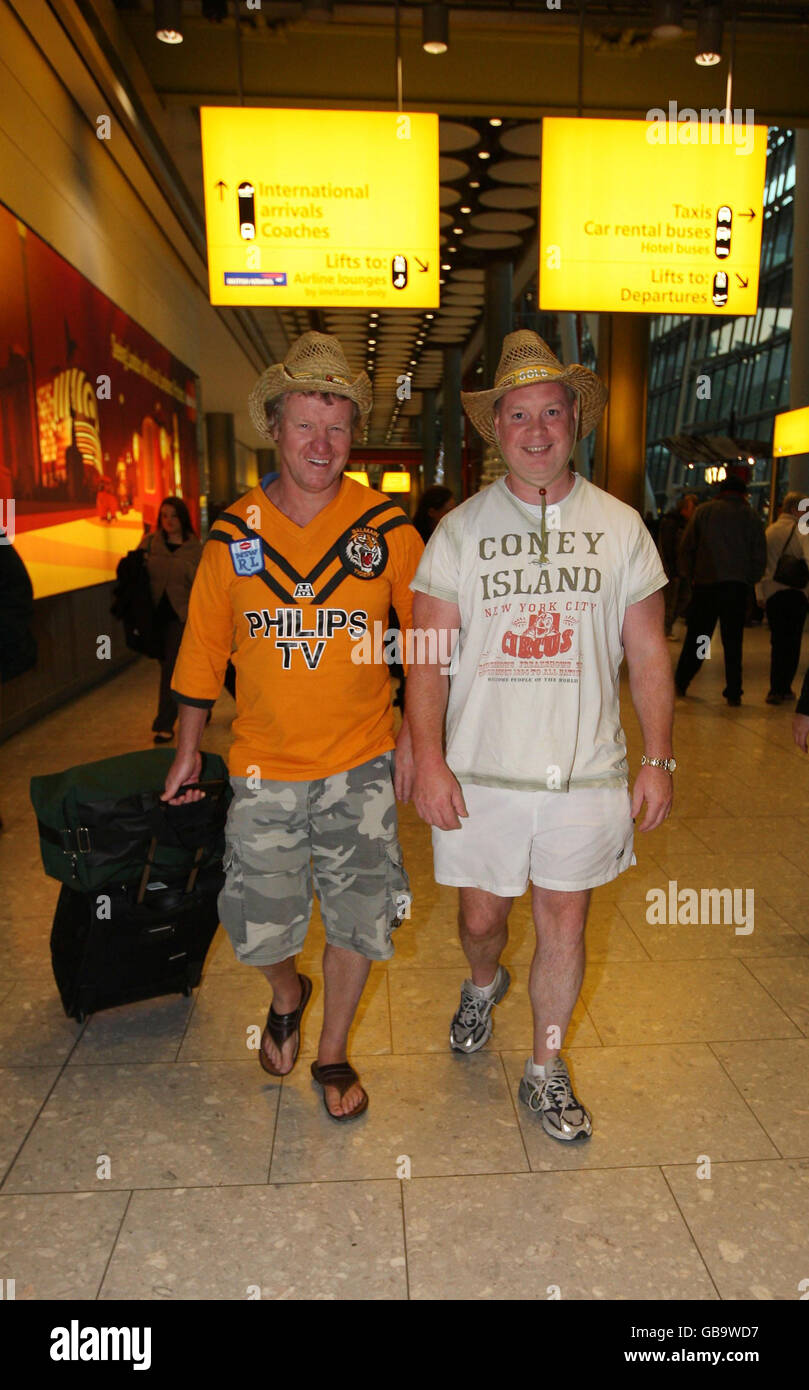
(97, 420)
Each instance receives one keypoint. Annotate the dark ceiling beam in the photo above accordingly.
(508, 70)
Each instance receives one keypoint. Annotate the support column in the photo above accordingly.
(497, 314)
(619, 464)
(452, 421)
(429, 437)
(799, 372)
(222, 484)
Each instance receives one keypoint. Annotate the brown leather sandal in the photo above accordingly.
(343, 1076)
(282, 1026)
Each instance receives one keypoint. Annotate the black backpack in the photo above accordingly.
(132, 603)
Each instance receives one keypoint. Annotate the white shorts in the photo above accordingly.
(563, 840)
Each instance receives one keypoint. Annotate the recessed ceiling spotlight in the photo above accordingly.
(435, 28)
(168, 21)
(483, 154)
(709, 36)
(445, 267)
(495, 120)
(429, 316)
(457, 231)
(473, 183)
(465, 208)
(667, 19)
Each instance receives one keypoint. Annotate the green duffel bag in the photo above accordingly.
(104, 822)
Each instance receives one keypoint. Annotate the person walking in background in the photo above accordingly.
(800, 719)
(435, 502)
(672, 526)
(786, 602)
(173, 553)
(722, 553)
(18, 648)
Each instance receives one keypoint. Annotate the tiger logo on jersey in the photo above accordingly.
(365, 552)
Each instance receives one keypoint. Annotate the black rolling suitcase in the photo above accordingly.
(116, 945)
(138, 907)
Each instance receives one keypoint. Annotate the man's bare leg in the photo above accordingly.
(557, 968)
(286, 996)
(344, 976)
(483, 925)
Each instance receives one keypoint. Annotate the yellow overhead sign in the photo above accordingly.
(313, 208)
(791, 434)
(658, 216)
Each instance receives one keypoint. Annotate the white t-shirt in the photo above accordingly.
(534, 688)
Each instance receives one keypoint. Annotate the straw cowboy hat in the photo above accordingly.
(525, 361)
(315, 362)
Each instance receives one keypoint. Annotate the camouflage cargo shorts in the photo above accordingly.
(338, 834)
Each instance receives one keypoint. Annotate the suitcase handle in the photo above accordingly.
(216, 784)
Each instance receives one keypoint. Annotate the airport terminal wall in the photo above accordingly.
(77, 182)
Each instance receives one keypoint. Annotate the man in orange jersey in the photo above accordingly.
(294, 576)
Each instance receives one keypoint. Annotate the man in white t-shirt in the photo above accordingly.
(538, 586)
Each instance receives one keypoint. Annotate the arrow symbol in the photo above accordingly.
(422, 267)
(221, 186)
(749, 214)
(743, 283)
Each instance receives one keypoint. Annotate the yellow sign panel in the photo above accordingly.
(311, 208)
(791, 434)
(658, 216)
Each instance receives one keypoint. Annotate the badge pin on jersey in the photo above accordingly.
(247, 557)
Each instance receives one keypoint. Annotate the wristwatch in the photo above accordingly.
(668, 764)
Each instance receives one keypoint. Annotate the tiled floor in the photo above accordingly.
(146, 1156)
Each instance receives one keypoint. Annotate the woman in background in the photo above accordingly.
(172, 555)
(434, 504)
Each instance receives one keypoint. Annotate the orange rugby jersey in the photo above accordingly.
(288, 604)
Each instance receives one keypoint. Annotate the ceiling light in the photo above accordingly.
(457, 231)
(435, 28)
(372, 342)
(473, 183)
(483, 154)
(495, 120)
(446, 267)
(466, 209)
(429, 316)
(709, 36)
(168, 21)
(667, 19)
